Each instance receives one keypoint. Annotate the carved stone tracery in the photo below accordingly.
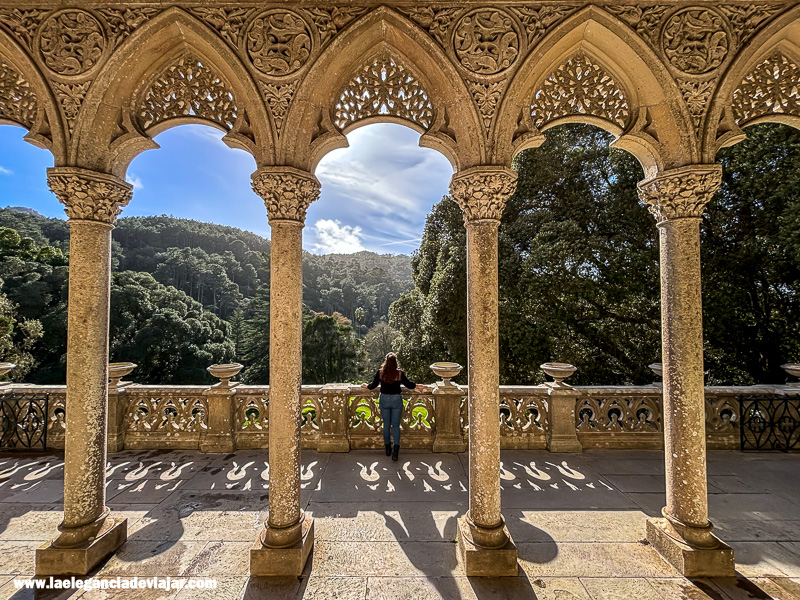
(287, 193)
(770, 88)
(188, 87)
(71, 42)
(17, 98)
(580, 87)
(384, 87)
(681, 193)
(482, 192)
(89, 195)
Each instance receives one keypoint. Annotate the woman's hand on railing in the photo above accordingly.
(363, 385)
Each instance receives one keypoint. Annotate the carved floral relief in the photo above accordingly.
(486, 42)
(278, 42)
(71, 42)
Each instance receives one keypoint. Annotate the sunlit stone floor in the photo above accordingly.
(386, 530)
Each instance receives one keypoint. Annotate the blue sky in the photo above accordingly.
(375, 194)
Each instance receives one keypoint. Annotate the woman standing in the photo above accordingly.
(389, 377)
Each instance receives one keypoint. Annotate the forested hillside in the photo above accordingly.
(185, 294)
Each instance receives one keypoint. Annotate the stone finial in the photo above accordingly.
(89, 195)
(482, 192)
(681, 193)
(287, 192)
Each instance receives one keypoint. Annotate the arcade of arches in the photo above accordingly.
(94, 82)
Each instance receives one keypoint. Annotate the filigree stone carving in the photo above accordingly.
(123, 21)
(681, 193)
(645, 20)
(227, 21)
(695, 40)
(278, 42)
(537, 20)
(746, 19)
(71, 42)
(287, 192)
(188, 87)
(482, 192)
(23, 23)
(487, 97)
(71, 98)
(329, 21)
(771, 88)
(17, 98)
(384, 87)
(486, 41)
(89, 195)
(696, 94)
(580, 87)
(278, 98)
(436, 21)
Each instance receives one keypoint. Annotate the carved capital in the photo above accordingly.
(681, 193)
(287, 192)
(89, 195)
(482, 192)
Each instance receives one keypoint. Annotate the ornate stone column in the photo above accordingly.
(88, 533)
(677, 199)
(288, 536)
(484, 542)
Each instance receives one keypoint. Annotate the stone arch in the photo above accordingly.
(629, 93)
(437, 102)
(762, 85)
(172, 70)
(27, 100)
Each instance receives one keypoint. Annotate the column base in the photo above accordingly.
(82, 559)
(449, 445)
(567, 443)
(267, 562)
(691, 562)
(486, 562)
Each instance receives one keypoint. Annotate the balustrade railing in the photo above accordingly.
(339, 417)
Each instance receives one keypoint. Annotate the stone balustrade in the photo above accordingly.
(338, 417)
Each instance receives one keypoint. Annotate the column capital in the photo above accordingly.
(89, 195)
(287, 192)
(680, 193)
(482, 191)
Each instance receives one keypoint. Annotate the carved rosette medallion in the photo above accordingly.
(486, 41)
(681, 193)
(482, 192)
(71, 42)
(287, 192)
(695, 40)
(278, 42)
(89, 195)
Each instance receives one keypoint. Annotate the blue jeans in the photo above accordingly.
(391, 406)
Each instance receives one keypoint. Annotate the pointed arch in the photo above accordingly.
(594, 69)
(174, 69)
(27, 100)
(761, 85)
(378, 38)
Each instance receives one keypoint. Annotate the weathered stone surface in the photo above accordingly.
(716, 561)
(80, 560)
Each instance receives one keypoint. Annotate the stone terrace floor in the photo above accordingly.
(386, 530)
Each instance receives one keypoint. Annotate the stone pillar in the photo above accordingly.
(447, 402)
(562, 436)
(334, 428)
(88, 532)
(219, 437)
(677, 199)
(288, 536)
(484, 541)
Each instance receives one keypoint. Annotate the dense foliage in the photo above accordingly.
(579, 278)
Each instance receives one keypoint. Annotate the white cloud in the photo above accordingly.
(5, 171)
(135, 181)
(335, 238)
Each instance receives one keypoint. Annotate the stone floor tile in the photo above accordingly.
(740, 588)
(164, 469)
(678, 588)
(151, 558)
(475, 588)
(779, 588)
(757, 530)
(397, 559)
(144, 491)
(733, 484)
(610, 464)
(650, 504)
(24, 522)
(228, 588)
(575, 526)
(44, 491)
(135, 594)
(637, 483)
(16, 558)
(751, 506)
(766, 559)
(10, 591)
(274, 588)
(219, 558)
(334, 588)
(602, 588)
(592, 560)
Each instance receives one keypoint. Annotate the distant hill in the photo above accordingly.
(26, 210)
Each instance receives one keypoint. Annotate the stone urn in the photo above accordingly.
(225, 372)
(658, 369)
(116, 371)
(558, 371)
(446, 370)
(792, 369)
(4, 369)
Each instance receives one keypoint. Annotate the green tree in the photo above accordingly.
(331, 350)
(18, 337)
(255, 346)
(378, 342)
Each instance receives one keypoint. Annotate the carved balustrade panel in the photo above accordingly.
(723, 420)
(524, 419)
(251, 417)
(417, 425)
(771, 88)
(310, 417)
(175, 417)
(606, 417)
(57, 417)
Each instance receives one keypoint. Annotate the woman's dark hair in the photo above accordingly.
(389, 370)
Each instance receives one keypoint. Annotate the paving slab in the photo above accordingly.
(592, 559)
(616, 588)
(394, 559)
